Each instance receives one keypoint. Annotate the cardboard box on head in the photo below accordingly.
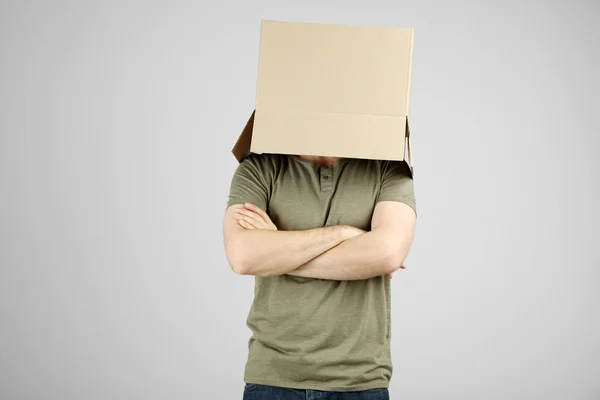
(331, 90)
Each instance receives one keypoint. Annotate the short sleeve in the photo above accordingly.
(397, 183)
(249, 184)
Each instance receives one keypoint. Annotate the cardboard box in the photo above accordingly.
(331, 90)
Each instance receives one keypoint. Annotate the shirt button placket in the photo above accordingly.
(326, 178)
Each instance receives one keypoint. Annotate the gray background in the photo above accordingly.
(117, 121)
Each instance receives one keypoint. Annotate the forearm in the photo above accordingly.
(361, 257)
(271, 253)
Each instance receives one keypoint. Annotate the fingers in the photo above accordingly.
(245, 224)
(251, 218)
(260, 218)
(258, 210)
(390, 275)
(254, 218)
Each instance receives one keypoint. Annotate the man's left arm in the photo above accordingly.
(380, 251)
(384, 248)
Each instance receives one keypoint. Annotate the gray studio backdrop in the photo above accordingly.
(117, 120)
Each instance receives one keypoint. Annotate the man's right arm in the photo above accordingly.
(262, 252)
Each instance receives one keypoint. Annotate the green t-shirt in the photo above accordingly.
(315, 333)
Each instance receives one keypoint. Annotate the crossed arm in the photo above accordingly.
(254, 246)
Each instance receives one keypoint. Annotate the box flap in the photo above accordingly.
(242, 146)
(350, 135)
(408, 154)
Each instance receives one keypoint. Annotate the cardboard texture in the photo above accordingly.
(331, 90)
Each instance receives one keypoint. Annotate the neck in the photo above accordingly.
(320, 161)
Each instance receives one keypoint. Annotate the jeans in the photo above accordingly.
(254, 391)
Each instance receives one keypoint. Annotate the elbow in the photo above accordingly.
(241, 258)
(239, 264)
(393, 258)
(238, 267)
(237, 260)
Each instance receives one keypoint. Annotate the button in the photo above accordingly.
(326, 177)
(326, 167)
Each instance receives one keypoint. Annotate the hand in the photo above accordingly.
(250, 216)
(390, 274)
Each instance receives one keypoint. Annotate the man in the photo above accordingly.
(322, 236)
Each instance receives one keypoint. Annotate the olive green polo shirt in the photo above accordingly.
(315, 333)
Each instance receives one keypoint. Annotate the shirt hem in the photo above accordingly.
(298, 385)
